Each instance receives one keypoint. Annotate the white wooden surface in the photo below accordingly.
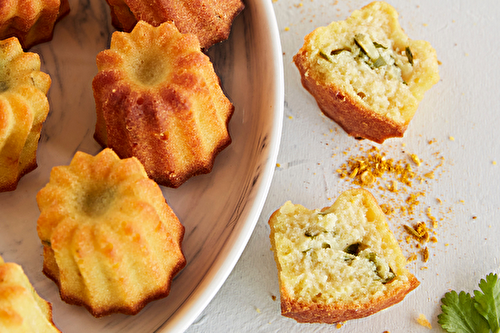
(460, 115)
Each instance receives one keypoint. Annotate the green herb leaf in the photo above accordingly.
(460, 315)
(338, 51)
(488, 301)
(353, 249)
(366, 45)
(409, 55)
(313, 233)
(377, 45)
(379, 62)
(323, 55)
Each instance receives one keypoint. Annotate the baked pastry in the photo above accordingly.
(110, 241)
(209, 20)
(21, 309)
(338, 263)
(158, 99)
(366, 74)
(31, 21)
(23, 109)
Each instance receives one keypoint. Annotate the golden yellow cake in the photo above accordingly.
(209, 20)
(158, 99)
(338, 263)
(23, 109)
(21, 309)
(366, 74)
(110, 241)
(31, 21)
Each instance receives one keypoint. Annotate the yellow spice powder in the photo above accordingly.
(373, 169)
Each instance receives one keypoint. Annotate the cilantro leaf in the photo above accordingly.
(488, 302)
(460, 315)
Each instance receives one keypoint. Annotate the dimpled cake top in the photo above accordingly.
(158, 99)
(111, 242)
(209, 20)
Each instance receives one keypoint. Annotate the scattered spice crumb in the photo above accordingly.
(287, 28)
(401, 182)
(273, 297)
(412, 257)
(377, 165)
(278, 165)
(431, 218)
(423, 321)
(412, 201)
(425, 254)
(429, 175)
(419, 231)
(415, 159)
(387, 209)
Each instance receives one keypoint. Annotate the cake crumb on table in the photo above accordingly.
(423, 321)
(401, 180)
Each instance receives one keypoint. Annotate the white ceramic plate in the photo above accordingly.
(218, 210)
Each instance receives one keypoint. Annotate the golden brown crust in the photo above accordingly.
(51, 270)
(353, 117)
(317, 312)
(23, 109)
(31, 21)
(209, 20)
(321, 313)
(111, 243)
(175, 121)
(21, 308)
(367, 101)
